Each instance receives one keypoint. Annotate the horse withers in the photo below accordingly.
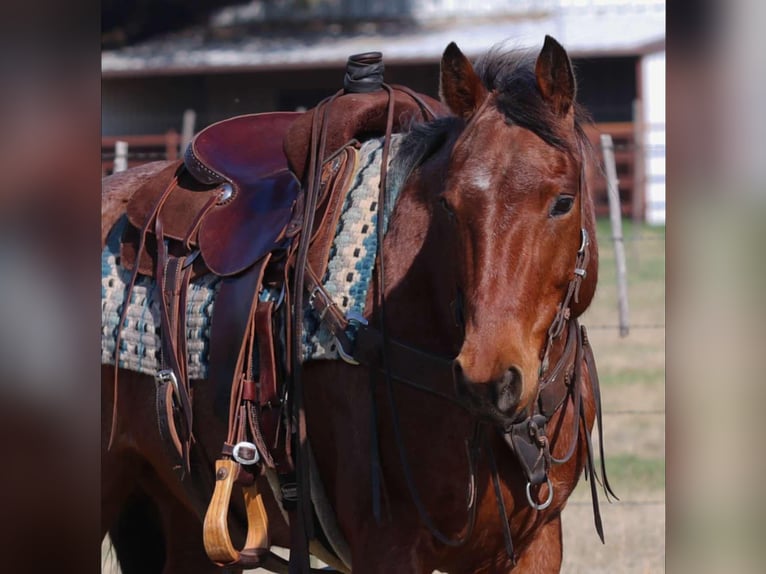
(458, 424)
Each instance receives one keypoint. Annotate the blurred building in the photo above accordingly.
(289, 54)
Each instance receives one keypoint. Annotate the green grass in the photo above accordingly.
(638, 358)
(628, 473)
(633, 375)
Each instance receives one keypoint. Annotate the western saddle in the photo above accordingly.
(256, 201)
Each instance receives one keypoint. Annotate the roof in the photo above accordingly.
(615, 30)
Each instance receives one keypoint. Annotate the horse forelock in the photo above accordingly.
(509, 73)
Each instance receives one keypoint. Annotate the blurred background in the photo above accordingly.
(170, 68)
(61, 100)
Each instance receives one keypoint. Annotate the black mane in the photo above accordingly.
(511, 74)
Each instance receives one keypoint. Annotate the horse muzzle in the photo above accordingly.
(495, 400)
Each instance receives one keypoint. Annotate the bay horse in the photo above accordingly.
(489, 257)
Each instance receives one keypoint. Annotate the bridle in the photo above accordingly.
(359, 343)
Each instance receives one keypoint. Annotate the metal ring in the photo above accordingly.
(545, 504)
(244, 444)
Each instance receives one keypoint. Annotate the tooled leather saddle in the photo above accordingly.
(255, 201)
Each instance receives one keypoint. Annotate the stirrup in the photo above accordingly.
(216, 529)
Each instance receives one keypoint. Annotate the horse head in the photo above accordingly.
(514, 196)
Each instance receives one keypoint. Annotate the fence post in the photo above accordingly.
(615, 215)
(639, 190)
(187, 128)
(171, 144)
(120, 156)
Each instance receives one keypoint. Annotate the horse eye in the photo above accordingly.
(563, 204)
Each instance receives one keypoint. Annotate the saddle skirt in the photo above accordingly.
(349, 271)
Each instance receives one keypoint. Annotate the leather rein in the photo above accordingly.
(361, 344)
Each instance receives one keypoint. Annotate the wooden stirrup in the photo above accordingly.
(216, 530)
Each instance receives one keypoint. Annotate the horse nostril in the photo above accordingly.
(507, 391)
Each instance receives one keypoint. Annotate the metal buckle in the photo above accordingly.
(252, 459)
(167, 376)
(289, 491)
(271, 295)
(583, 241)
(325, 297)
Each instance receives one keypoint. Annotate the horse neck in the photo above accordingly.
(420, 280)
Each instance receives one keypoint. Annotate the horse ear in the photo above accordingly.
(554, 76)
(461, 88)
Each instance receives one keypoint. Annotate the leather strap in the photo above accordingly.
(166, 422)
(128, 293)
(234, 308)
(507, 537)
(266, 387)
(267, 367)
(170, 277)
(590, 363)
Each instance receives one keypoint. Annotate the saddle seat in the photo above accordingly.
(233, 197)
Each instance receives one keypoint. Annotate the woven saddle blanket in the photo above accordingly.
(349, 271)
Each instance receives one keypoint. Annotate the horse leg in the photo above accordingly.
(118, 481)
(137, 536)
(544, 553)
(181, 529)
